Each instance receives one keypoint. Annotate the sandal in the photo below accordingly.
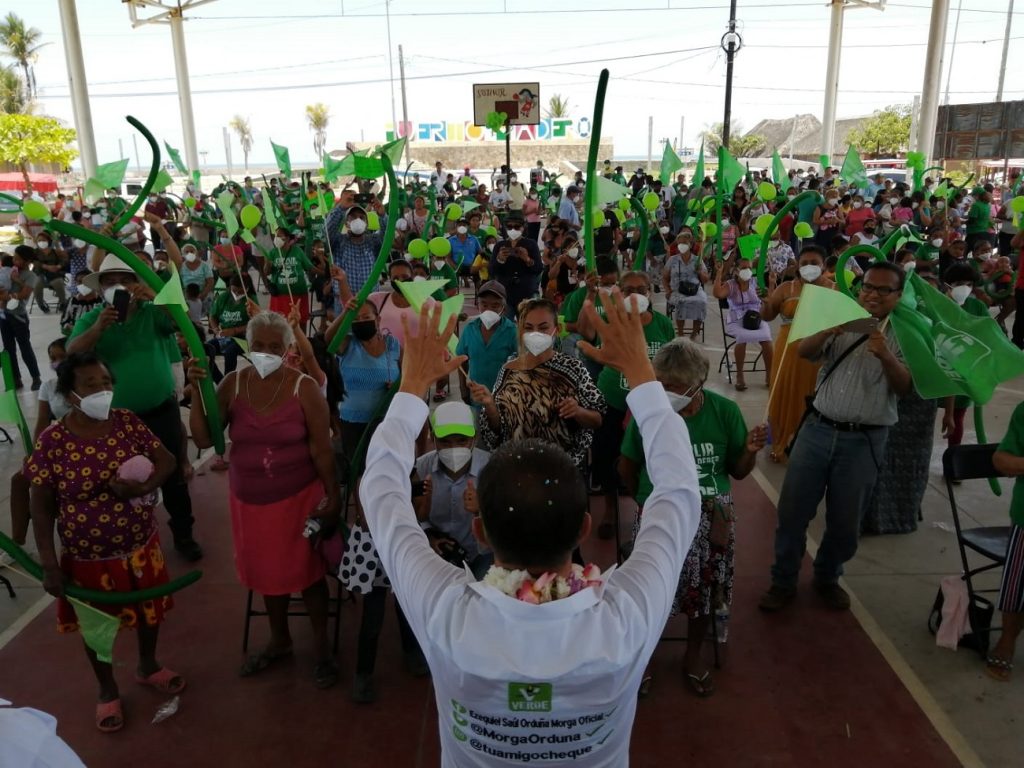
(109, 716)
(260, 661)
(164, 680)
(325, 674)
(219, 464)
(741, 386)
(701, 685)
(999, 669)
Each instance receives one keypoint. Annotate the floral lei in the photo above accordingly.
(546, 587)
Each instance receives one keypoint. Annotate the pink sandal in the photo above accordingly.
(109, 710)
(163, 680)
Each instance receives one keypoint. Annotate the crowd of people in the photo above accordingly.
(565, 374)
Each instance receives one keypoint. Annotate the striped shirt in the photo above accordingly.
(857, 391)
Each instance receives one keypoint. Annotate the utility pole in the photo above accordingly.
(932, 74)
(731, 43)
(78, 86)
(682, 122)
(952, 50)
(792, 140)
(650, 141)
(405, 108)
(1006, 49)
(227, 149)
(120, 149)
(915, 115)
(135, 143)
(391, 66)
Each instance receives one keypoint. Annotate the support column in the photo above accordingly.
(932, 74)
(188, 125)
(835, 49)
(78, 86)
(1006, 50)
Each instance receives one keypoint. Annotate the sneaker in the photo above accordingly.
(363, 691)
(833, 596)
(44, 308)
(189, 549)
(36, 384)
(776, 598)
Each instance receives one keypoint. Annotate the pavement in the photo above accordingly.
(806, 687)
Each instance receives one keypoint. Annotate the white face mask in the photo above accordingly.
(278, 242)
(515, 234)
(97, 219)
(84, 290)
(108, 293)
(158, 266)
(237, 296)
(894, 201)
(605, 290)
(960, 293)
(725, 222)
(225, 241)
(745, 274)
(490, 247)
(191, 256)
(78, 243)
(937, 242)
(97, 405)
(642, 303)
(401, 225)
(357, 226)
(573, 253)
(265, 364)
(537, 343)
(910, 266)
(489, 318)
(438, 264)
(683, 248)
(455, 458)
(810, 272)
(462, 230)
(663, 230)
(678, 402)
(940, 205)
(858, 204)
(419, 279)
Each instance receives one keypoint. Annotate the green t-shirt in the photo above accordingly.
(572, 305)
(289, 271)
(718, 435)
(445, 273)
(612, 383)
(229, 313)
(806, 207)
(137, 353)
(979, 217)
(1013, 442)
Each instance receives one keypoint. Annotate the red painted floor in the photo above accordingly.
(799, 689)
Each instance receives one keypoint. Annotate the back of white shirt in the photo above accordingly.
(522, 683)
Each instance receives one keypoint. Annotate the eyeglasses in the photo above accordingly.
(881, 290)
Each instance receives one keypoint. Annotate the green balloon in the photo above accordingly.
(709, 203)
(624, 204)
(372, 221)
(250, 216)
(1017, 205)
(419, 249)
(803, 230)
(598, 217)
(35, 210)
(439, 246)
(762, 223)
(466, 182)
(709, 229)
(651, 201)
(190, 202)
(620, 216)
(766, 190)
(452, 212)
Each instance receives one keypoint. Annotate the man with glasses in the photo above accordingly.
(839, 449)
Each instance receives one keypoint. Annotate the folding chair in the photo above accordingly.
(296, 608)
(972, 462)
(749, 366)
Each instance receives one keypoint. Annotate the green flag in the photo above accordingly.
(853, 172)
(749, 245)
(110, 175)
(171, 294)
(609, 192)
(268, 210)
(824, 161)
(224, 202)
(417, 293)
(93, 191)
(670, 163)
(10, 408)
(99, 629)
(948, 351)
(822, 308)
(732, 171)
(367, 167)
(332, 168)
(779, 174)
(176, 159)
(698, 174)
(394, 151)
(283, 160)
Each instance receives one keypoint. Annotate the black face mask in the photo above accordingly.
(364, 330)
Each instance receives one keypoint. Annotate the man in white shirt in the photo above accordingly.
(517, 682)
(499, 199)
(567, 208)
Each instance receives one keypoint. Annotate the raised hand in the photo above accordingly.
(426, 357)
(623, 346)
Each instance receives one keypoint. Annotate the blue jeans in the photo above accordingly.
(840, 467)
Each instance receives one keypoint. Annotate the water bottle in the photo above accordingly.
(722, 622)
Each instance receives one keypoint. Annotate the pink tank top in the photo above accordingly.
(270, 458)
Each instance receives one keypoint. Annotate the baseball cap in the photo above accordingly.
(453, 419)
(493, 286)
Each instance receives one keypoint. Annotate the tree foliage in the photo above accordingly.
(22, 44)
(318, 116)
(558, 106)
(26, 139)
(886, 132)
(240, 125)
(751, 145)
(12, 92)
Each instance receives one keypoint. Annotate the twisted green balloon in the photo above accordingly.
(590, 190)
(979, 429)
(378, 266)
(35, 570)
(762, 260)
(848, 254)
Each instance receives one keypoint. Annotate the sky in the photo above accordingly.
(267, 59)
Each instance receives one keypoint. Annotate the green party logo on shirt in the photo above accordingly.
(529, 697)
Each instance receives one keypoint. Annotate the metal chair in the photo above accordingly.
(972, 462)
(749, 366)
(296, 608)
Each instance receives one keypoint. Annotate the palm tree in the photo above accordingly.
(22, 45)
(12, 93)
(318, 116)
(558, 106)
(240, 125)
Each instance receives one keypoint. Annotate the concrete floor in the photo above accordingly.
(893, 579)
